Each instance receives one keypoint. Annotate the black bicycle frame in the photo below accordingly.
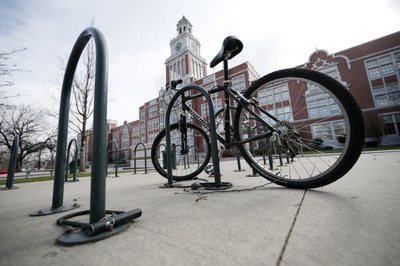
(241, 100)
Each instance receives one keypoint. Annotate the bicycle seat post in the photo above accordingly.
(226, 71)
(227, 117)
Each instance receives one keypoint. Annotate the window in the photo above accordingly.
(391, 123)
(135, 135)
(387, 94)
(330, 131)
(204, 110)
(125, 137)
(217, 103)
(380, 67)
(274, 94)
(115, 137)
(151, 137)
(152, 125)
(135, 131)
(238, 83)
(284, 113)
(321, 105)
(183, 67)
(153, 111)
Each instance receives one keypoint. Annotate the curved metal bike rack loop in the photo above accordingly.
(99, 225)
(75, 160)
(145, 158)
(12, 164)
(213, 135)
(196, 154)
(116, 156)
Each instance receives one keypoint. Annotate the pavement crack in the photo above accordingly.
(285, 244)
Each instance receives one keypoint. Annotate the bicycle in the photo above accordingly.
(279, 125)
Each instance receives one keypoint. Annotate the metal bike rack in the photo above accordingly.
(145, 158)
(12, 164)
(196, 155)
(239, 165)
(114, 143)
(213, 135)
(187, 163)
(100, 226)
(75, 160)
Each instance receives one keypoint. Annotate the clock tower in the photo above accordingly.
(185, 61)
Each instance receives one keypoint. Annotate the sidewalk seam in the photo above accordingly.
(278, 262)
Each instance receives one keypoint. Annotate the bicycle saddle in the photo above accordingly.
(230, 48)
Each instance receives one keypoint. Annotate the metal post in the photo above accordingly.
(75, 160)
(145, 157)
(213, 135)
(116, 156)
(97, 190)
(100, 225)
(238, 163)
(12, 164)
(196, 155)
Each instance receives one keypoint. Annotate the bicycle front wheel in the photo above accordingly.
(187, 161)
(302, 128)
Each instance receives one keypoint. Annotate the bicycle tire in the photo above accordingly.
(182, 173)
(307, 164)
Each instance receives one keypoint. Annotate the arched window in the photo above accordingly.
(174, 71)
(193, 69)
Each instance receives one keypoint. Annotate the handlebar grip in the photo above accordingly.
(175, 83)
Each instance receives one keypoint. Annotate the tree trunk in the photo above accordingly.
(82, 153)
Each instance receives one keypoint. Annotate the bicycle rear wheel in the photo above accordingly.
(318, 133)
(186, 164)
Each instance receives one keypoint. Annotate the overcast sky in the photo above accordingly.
(276, 34)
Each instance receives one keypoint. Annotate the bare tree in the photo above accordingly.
(27, 123)
(6, 69)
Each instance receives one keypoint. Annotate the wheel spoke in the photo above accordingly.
(312, 128)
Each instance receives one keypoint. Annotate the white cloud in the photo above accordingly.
(276, 34)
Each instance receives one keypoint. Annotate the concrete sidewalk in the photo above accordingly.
(354, 221)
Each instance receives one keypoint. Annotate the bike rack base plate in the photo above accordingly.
(252, 175)
(49, 211)
(217, 186)
(82, 237)
(167, 185)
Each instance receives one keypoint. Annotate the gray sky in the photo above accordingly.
(276, 34)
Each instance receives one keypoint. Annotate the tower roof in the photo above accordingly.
(183, 26)
(184, 20)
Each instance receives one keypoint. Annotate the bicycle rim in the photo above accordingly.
(186, 164)
(320, 130)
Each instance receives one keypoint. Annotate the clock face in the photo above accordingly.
(178, 46)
